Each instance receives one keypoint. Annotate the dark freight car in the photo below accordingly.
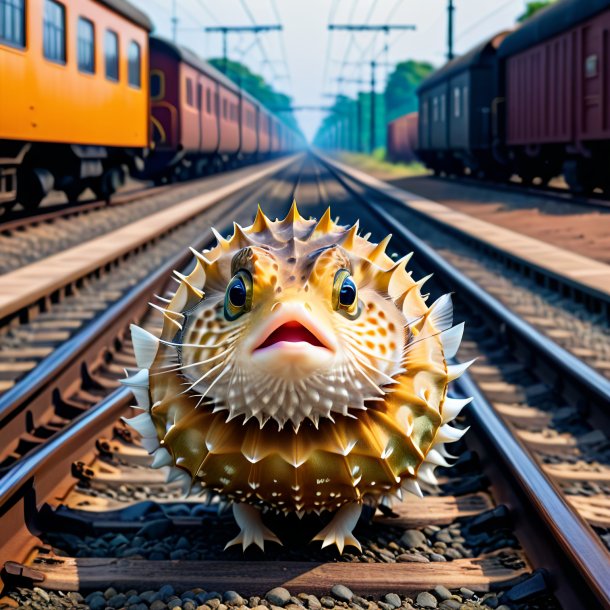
(456, 108)
(557, 79)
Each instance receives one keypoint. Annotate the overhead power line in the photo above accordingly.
(225, 30)
(382, 27)
(483, 19)
(261, 47)
(207, 11)
(365, 27)
(276, 12)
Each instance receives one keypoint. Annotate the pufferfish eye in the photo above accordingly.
(345, 294)
(238, 297)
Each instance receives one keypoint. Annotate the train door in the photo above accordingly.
(594, 60)
(199, 102)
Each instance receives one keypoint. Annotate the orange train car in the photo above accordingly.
(74, 100)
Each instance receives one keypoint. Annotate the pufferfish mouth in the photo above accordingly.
(291, 332)
(291, 344)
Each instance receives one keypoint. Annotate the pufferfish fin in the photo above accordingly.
(252, 528)
(339, 530)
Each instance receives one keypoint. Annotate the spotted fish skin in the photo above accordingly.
(354, 411)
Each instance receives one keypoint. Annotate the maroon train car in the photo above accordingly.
(402, 138)
(557, 94)
(201, 119)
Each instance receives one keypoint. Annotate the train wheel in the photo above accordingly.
(108, 183)
(6, 207)
(579, 176)
(32, 187)
(73, 192)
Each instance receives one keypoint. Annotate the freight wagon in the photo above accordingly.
(534, 102)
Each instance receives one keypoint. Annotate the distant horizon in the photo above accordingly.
(310, 71)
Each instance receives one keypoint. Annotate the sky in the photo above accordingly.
(305, 60)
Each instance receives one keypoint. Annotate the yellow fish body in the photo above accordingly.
(299, 369)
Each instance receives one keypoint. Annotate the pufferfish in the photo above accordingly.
(300, 370)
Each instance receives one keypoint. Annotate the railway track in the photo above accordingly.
(13, 221)
(87, 514)
(547, 191)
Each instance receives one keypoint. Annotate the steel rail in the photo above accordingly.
(71, 439)
(577, 538)
(65, 210)
(551, 193)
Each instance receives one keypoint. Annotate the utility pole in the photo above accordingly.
(174, 22)
(387, 28)
(225, 30)
(372, 137)
(450, 11)
(359, 127)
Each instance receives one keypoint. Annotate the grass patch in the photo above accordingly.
(377, 165)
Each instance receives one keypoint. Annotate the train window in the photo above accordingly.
(12, 22)
(208, 101)
(111, 54)
(189, 92)
(224, 109)
(86, 46)
(134, 67)
(435, 110)
(465, 99)
(457, 103)
(199, 96)
(156, 85)
(591, 66)
(443, 108)
(54, 34)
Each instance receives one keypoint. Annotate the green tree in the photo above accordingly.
(400, 91)
(532, 8)
(260, 89)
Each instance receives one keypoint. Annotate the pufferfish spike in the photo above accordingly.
(161, 457)
(324, 227)
(293, 216)
(173, 317)
(379, 250)
(193, 292)
(240, 239)
(349, 240)
(261, 223)
(452, 407)
(225, 244)
(200, 258)
(451, 339)
(145, 346)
